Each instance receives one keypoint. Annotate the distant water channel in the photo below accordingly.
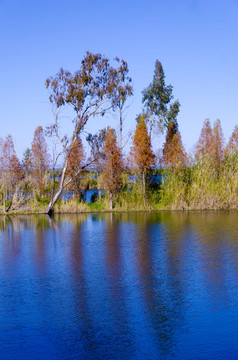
(119, 286)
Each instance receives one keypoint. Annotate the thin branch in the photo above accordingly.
(78, 172)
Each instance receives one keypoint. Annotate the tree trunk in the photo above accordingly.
(120, 129)
(111, 201)
(56, 196)
(4, 196)
(143, 186)
(150, 130)
(4, 202)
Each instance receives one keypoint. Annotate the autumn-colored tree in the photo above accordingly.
(11, 162)
(218, 149)
(232, 147)
(205, 143)
(1, 149)
(112, 165)
(210, 147)
(10, 168)
(91, 91)
(231, 157)
(141, 155)
(16, 171)
(40, 159)
(75, 163)
(174, 154)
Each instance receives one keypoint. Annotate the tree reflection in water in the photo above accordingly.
(119, 286)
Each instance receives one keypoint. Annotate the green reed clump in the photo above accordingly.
(202, 186)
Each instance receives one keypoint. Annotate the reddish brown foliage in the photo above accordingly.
(76, 157)
(112, 163)
(210, 147)
(218, 150)
(40, 158)
(10, 164)
(232, 146)
(10, 169)
(16, 170)
(141, 155)
(205, 142)
(93, 90)
(174, 154)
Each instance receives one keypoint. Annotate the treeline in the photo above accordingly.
(143, 179)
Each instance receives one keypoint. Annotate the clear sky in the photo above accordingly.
(196, 41)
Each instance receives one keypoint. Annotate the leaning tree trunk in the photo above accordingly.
(56, 196)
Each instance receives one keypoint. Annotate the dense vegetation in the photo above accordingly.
(171, 179)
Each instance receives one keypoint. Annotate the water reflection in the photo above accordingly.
(119, 286)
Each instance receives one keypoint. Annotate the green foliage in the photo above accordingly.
(40, 200)
(88, 181)
(97, 206)
(8, 204)
(26, 187)
(157, 99)
(210, 182)
(154, 198)
(130, 198)
(199, 187)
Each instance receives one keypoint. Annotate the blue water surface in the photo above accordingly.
(119, 286)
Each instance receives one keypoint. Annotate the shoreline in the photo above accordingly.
(106, 211)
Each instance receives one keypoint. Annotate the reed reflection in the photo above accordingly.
(209, 252)
(81, 323)
(92, 311)
(162, 300)
(117, 297)
(218, 254)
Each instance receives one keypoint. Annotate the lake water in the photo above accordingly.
(119, 286)
(88, 196)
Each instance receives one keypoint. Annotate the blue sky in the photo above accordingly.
(196, 41)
